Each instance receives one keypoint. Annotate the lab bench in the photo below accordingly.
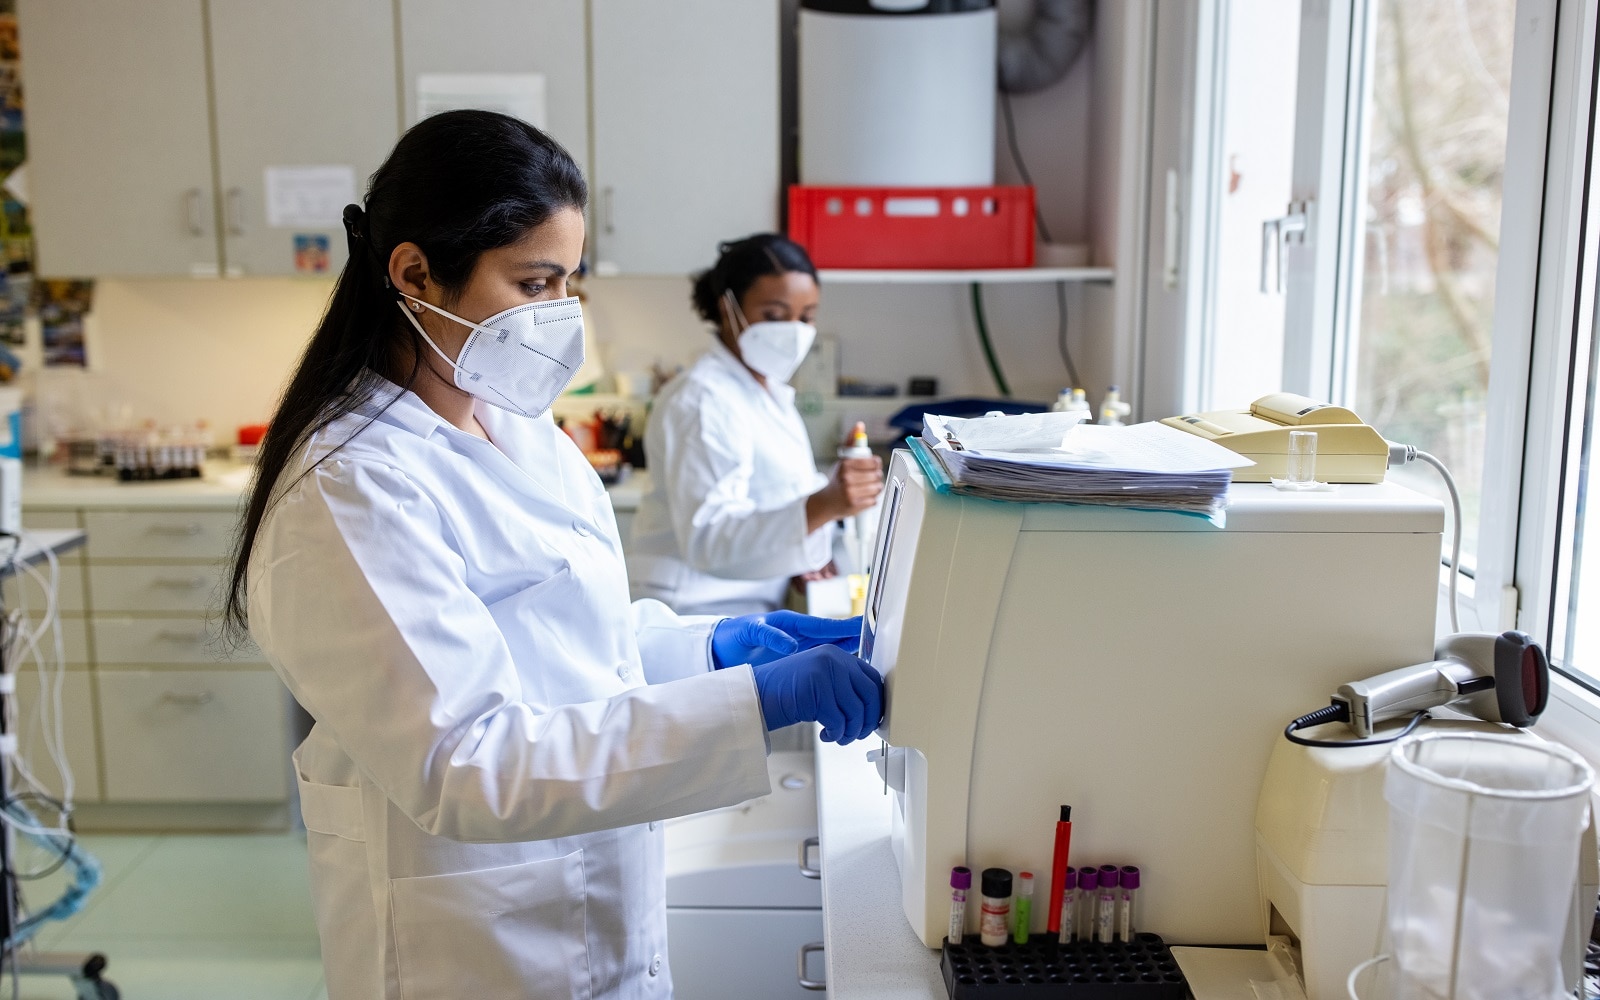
(871, 951)
(166, 729)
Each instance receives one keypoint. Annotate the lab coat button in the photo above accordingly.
(624, 671)
(655, 966)
(581, 528)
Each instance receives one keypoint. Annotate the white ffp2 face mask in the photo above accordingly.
(774, 348)
(520, 359)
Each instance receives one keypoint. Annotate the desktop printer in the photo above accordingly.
(1136, 665)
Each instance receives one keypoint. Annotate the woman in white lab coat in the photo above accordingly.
(434, 570)
(737, 507)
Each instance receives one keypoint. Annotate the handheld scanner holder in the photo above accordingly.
(1496, 678)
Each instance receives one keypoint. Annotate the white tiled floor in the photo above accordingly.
(191, 918)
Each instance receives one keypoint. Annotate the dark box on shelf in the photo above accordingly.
(1042, 969)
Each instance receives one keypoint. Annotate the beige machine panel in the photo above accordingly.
(1348, 451)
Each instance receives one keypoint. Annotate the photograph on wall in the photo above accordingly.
(311, 253)
(63, 305)
(16, 292)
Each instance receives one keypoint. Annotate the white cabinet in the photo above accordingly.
(119, 139)
(686, 130)
(77, 732)
(297, 83)
(504, 36)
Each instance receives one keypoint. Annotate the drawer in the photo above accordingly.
(78, 736)
(23, 587)
(123, 588)
(194, 736)
(160, 534)
(180, 640)
(48, 520)
(74, 643)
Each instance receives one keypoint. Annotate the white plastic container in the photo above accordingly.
(1483, 869)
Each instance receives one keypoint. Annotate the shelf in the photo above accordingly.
(988, 276)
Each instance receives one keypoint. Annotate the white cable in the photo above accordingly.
(26, 643)
(1400, 454)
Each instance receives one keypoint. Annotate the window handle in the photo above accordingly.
(1277, 234)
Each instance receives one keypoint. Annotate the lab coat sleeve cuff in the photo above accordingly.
(672, 646)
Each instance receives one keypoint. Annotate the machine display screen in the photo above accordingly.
(880, 558)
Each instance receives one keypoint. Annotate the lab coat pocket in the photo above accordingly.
(517, 930)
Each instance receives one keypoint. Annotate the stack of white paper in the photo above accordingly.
(1035, 459)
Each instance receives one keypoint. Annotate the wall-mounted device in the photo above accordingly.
(1348, 451)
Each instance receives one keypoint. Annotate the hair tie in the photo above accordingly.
(355, 222)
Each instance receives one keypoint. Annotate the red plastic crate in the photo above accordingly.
(872, 227)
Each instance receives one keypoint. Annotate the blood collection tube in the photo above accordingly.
(960, 882)
(1088, 880)
(1068, 917)
(992, 929)
(1024, 907)
(1105, 910)
(1130, 882)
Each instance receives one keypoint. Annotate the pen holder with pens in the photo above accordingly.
(1042, 969)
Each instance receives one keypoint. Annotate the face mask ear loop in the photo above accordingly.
(735, 313)
(408, 314)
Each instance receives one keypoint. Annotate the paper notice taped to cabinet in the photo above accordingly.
(310, 197)
(520, 95)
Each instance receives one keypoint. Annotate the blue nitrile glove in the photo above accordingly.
(822, 684)
(763, 638)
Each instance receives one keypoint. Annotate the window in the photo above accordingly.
(1575, 638)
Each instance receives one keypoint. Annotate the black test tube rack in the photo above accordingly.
(1042, 969)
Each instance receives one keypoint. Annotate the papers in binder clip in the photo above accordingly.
(1051, 458)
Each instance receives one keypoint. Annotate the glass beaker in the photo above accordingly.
(1484, 834)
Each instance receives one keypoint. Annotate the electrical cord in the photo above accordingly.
(1044, 231)
(1338, 711)
(984, 342)
(1402, 454)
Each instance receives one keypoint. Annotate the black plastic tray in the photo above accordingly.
(1042, 969)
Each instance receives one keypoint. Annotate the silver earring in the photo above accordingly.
(415, 307)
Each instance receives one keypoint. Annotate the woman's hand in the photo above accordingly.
(764, 638)
(852, 487)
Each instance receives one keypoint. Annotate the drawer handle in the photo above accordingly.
(179, 530)
(173, 583)
(191, 638)
(188, 700)
(806, 951)
(806, 867)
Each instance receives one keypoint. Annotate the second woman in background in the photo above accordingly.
(738, 507)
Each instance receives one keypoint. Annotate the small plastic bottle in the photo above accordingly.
(1063, 401)
(960, 882)
(1069, 907)
(1105, 910)
(1113, 409)
(993, 928)
(1024, 907)
(1130, 882)
(1088, 881)
(860, 445)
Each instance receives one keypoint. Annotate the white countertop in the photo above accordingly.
(872, 953)
(221, 488)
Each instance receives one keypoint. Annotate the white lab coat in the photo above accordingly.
(498, 731)
(723, 527)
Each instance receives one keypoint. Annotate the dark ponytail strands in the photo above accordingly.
(457, 184)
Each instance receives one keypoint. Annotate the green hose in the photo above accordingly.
(983, 339)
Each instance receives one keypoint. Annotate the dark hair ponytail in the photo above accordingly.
(740, 263)
(457, 184)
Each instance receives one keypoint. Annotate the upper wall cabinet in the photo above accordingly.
(299, 83)
(119, 141)
(504, 36)
(686, 130)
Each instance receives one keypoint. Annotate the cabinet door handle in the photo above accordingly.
(190, 638)
(233, 209)
(608, 209)
(806, 951)
(179, 530)
(806, 867)
(184, 700)
(194, 207)
(190, 583)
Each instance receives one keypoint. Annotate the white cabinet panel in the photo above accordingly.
(119, 141)
(51, 520)
(297, 83)
(504, 36)
(22, 591)
(148, 534)
(78, 733)
(732, 954)
(194, 736)
(152, 641)
(686, 130)
(123, 588)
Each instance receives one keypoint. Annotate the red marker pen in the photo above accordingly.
(1058, 868)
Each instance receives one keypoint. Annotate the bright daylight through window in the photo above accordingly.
(1435, 162)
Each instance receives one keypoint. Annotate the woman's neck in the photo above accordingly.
(435, 388)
